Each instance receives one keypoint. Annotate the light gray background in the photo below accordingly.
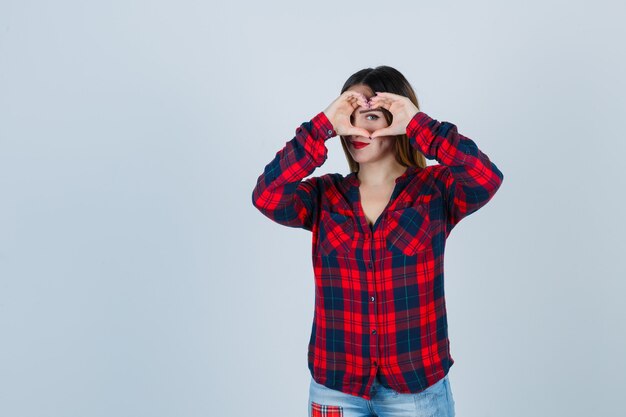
(137, 279)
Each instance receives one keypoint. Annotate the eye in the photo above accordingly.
(372, 115)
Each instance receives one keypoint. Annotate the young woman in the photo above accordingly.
(379, 342)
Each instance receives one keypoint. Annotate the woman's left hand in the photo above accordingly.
(401, 108)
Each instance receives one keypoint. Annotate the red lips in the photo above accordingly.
(359, 145)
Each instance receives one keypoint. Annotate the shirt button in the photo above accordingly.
(372, 298)
(370, 265)
(330, 131)
(374, 331)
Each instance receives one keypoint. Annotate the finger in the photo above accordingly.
(380, 103)
(388, 95)
(386, 131)
(354, 102)
(353, 94)
(356, 131)
(356, 94)
(361, 99)
(383, 98)
(350, 99)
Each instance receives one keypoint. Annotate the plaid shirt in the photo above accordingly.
(379, 290)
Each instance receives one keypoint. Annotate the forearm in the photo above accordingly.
(471, 179)
(280, 193)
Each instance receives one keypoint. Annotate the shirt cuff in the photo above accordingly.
(322, 127)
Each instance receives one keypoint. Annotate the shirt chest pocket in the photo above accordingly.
(336, 234)
(409, 230)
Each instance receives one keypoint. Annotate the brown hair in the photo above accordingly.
(390, 80)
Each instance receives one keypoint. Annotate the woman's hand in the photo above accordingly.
(401, 108)
(340, 110)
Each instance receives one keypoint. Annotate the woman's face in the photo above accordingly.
(363, 149)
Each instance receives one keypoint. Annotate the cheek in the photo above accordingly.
(386, 142)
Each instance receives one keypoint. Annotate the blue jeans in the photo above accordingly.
(434, 401)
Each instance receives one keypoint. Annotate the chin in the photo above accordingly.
(358, 159)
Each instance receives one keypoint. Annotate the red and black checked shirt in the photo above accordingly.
(379, 290)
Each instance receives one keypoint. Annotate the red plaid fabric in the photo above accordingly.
(319, 410)
(379, 290)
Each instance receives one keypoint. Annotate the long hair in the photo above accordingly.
(390, 80)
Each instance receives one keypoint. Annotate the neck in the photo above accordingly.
(379, 173)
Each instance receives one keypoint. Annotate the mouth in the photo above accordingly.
(358, 145)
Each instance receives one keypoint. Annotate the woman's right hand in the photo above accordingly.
(340, 110)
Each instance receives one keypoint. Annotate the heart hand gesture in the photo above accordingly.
(340, 110)
(401, 108)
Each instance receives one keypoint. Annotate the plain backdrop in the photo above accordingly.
(137, 278)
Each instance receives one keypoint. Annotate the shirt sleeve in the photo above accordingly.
(468, 176)
(280, 193)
